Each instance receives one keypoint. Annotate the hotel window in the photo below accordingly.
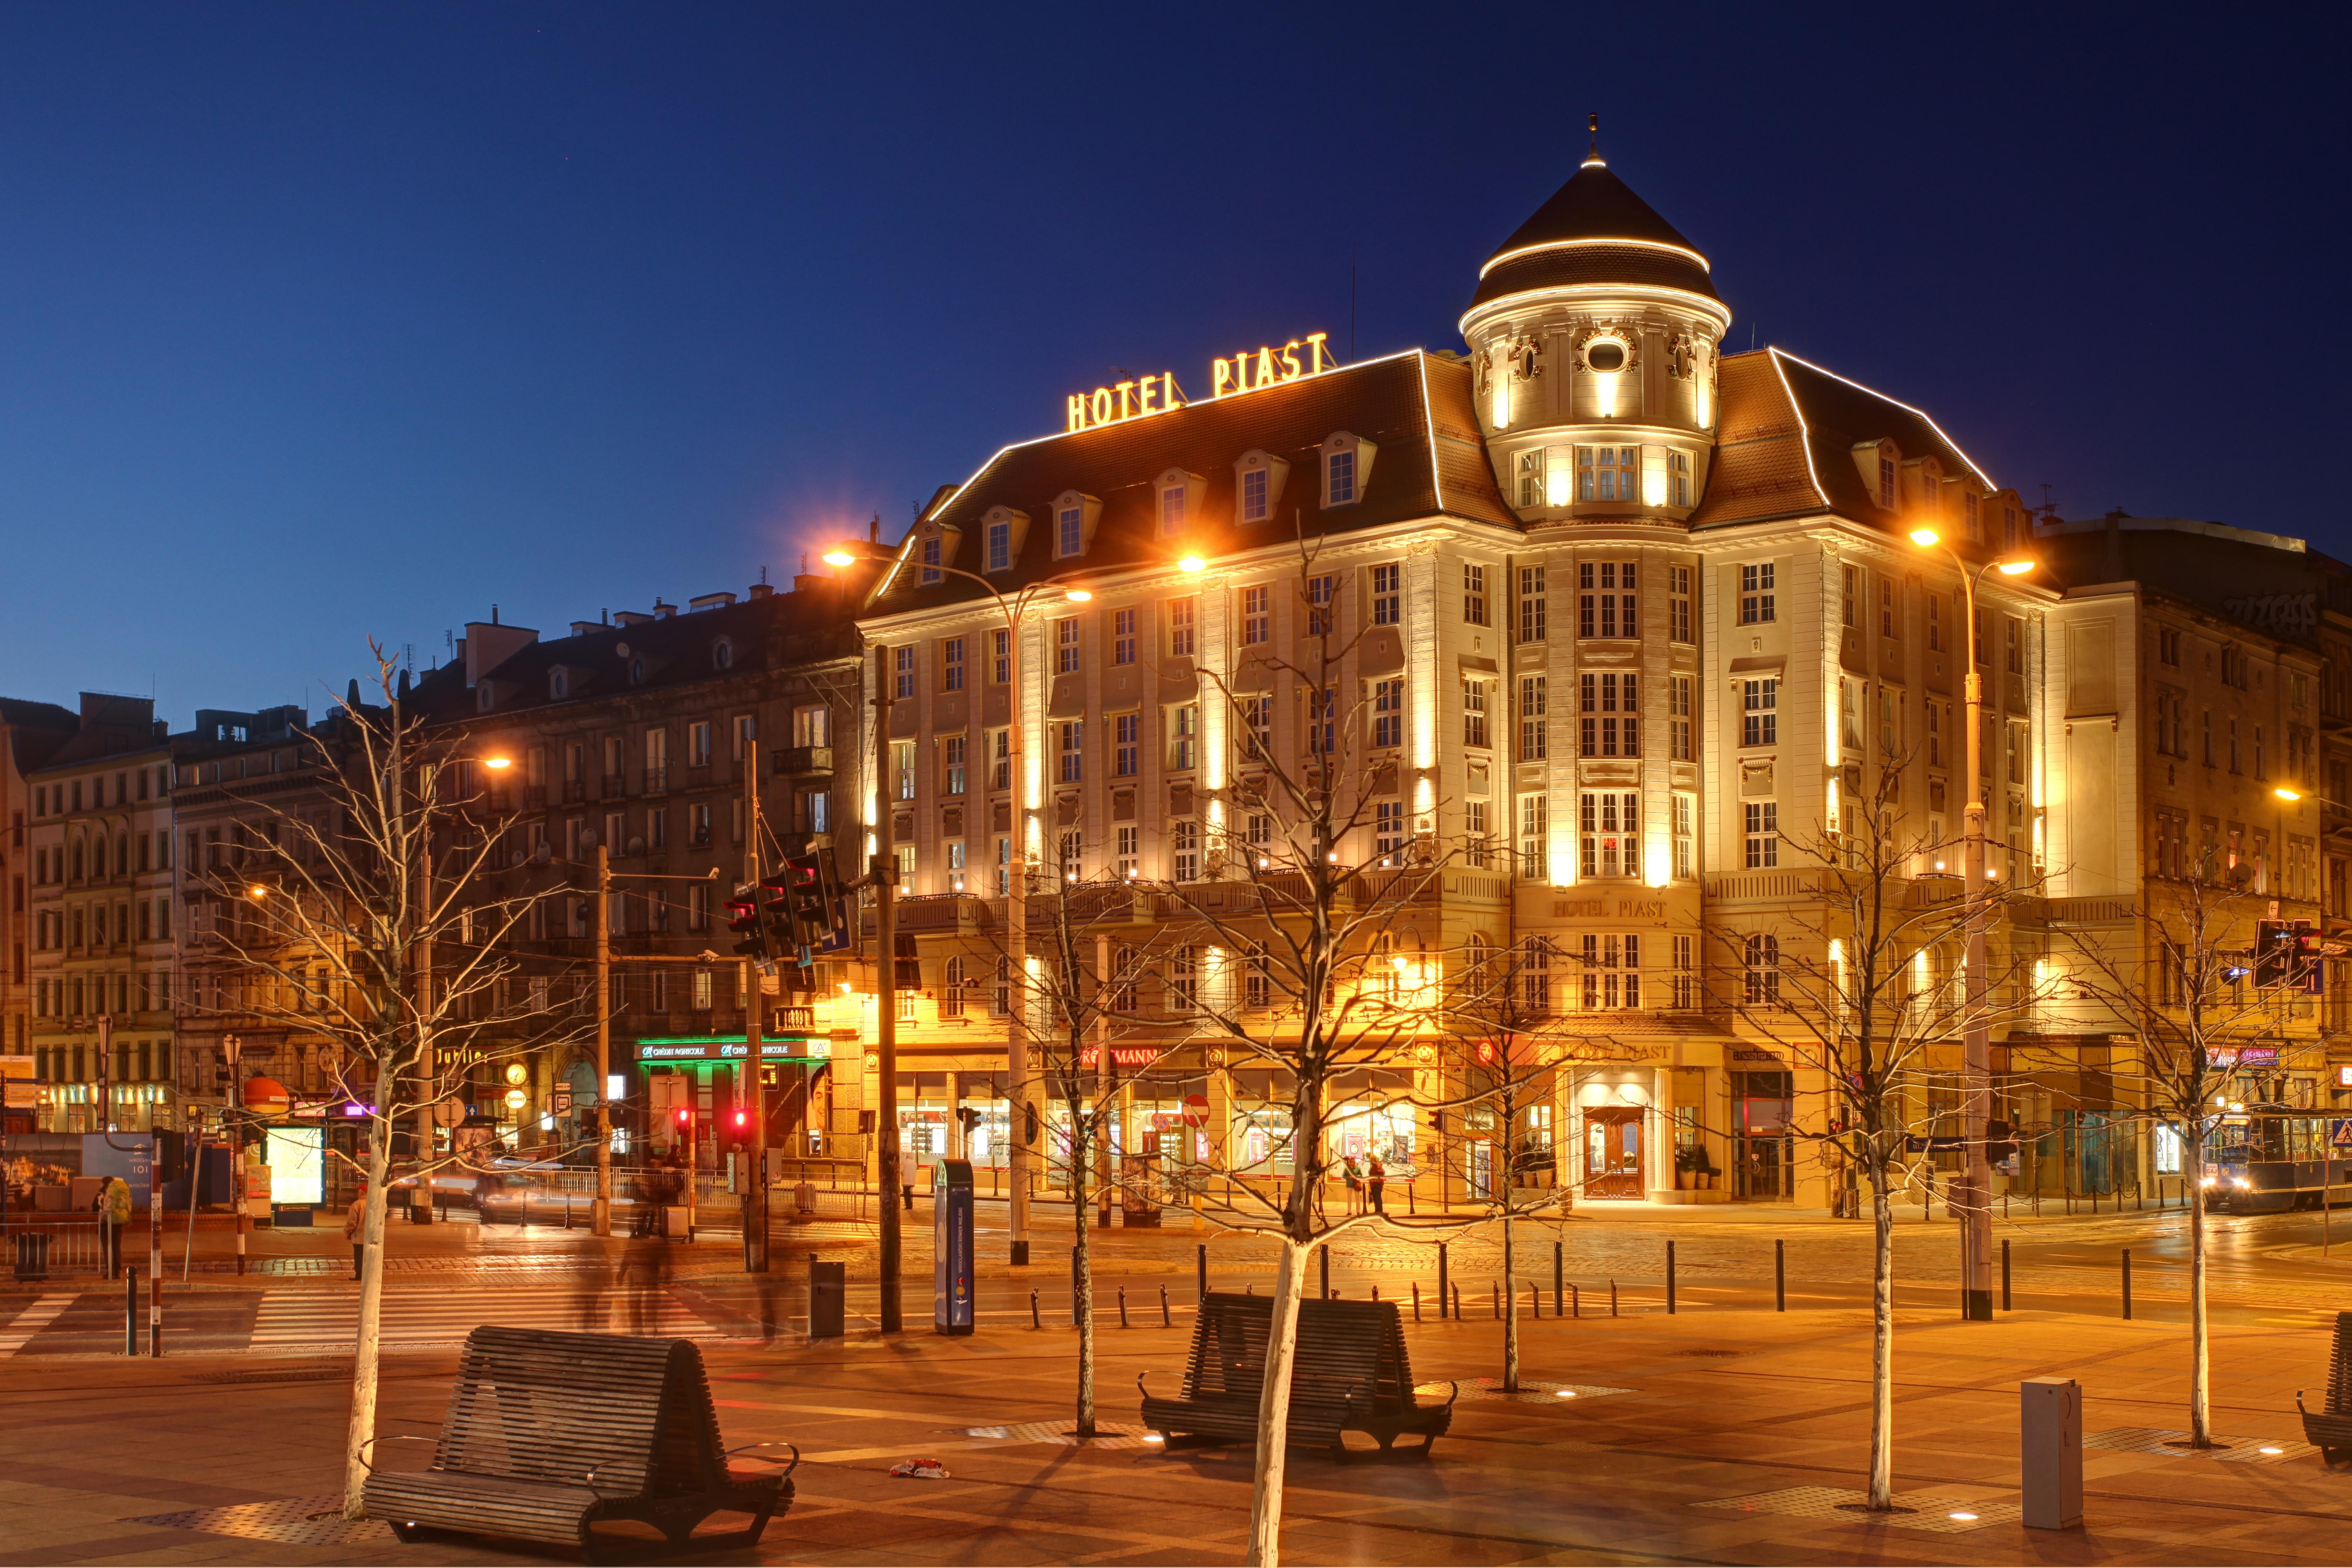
(1685, 835)
(1535, 974)
(1321, 590)
(1072, 752)
(1679, 478)
(902, 769)
(1070, 531)
(999, 759)
(1762, 835)
(1759, 718)
(1066, 645)
(1935, 623)
(1534, 744)
(1610, 833)
(1474, 714)
(1474, 594)
(951, 665)
(1531, 479)
(1321, 729)
(1678, 717)
(1257, 720)
(952, 765)
(1885, 607)
(2017, 751)
(1679, 604)
(1388, 714)
(1171, 509)
(1613, 972)
(2262, 766)
(1128, 841)
(1127, 744)
(999, 658)
(1607, 473)
(1000, 546)
(1535, 818)
(1890, 725)
(1179, 627)
(1254, 507)
(2017, 647)
(1257, 622)
(1532, 605)
(902, 661)
(1850, 601)
(1122, 637)
(1756, 593)
(1186, 844)
(1984, 638)
(1339, 479)
(1388, 832)
(1761, 968)
(1972, 512)
(1608, 726)
(1474, 834)
(1257, 980)
(1260, 833)
(1606, 613)
(931, 572)
(2007, 528)
(1685, 972)
(1072, 854)
(1183, 733)
(1184, 977)
(1935, 734)
(1886, 483)
(1388, 607)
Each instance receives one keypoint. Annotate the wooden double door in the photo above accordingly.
(1612, 1152)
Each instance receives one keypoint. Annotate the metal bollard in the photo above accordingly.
(1416, 1300)
(1559, 1272)
(1034, 1320)
(1165, 1321)
(1376, 1293)
(1535, 1301)
(130, 1311)
(1122, 1306)
(1200, 1272)
(1324, 1254)
(1780, 1276)
(1612, 1298)
(1457, 1303)
(1670, 1278)
(1575, 1302)
(1496, 1287)
(2126, 1284)
(2004, 1274)
(1441, 1280)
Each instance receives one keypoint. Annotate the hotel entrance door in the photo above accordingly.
(1612, 1152)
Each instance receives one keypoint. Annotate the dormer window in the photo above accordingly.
(722, 654)
(1069, 531)
(1000, 546)
(1886, 483)
(1257, 486)
(931, 561)
(1001, 533)
(1171, 509)
(559, 683)
(636, 672)
(1679, 478)
(1607, 473)
(1346, 469)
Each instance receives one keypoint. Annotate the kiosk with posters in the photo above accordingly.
(951, 1238)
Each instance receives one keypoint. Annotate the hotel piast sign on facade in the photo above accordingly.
(1244, 372)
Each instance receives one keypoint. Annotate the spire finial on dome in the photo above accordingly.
(1593, 156)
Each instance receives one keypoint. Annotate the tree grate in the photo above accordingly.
(299, 1521)
(1532, 1390)
(2175, 1444)
(1929, 1513)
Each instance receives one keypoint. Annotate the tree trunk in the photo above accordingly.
(1273, 1407)
(1083, 1281)
(2200, 1372)
(369, 1341)
(1510, 1313)
(1882, 1342)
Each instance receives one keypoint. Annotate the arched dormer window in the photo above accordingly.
(1074, 516)
(1001, 530)
(722, 654)
(1259, 478)
(1347, 465)
(1177, 505)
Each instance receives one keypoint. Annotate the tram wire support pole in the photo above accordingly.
(1780, 1275)
(2004, 1274)
(1670, 1279)
(1559, 1273)
(883, 873)
(2126, 1284)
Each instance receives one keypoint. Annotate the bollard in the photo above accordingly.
(2050, 1452)
(1200, 1272)
(2004, 1274)
(1410, 1207)
(1416, 1300)
(2126, 1284)
(1559, 1272)
(1165, 1321)
(1324, 1253)
(1036, 1321)
(1122, 1306)
(1612, 1298)
(1575, 1302)
(1376, 1293)
(1441, 1280)
(130, 1311)
(828, 1298)
(1457, 1303)
(1670, 1278)
(1535, 1301)
(1780, 1276)
(567, 1211)
(1496, 1287)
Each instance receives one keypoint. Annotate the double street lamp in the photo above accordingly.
(1976, 1049)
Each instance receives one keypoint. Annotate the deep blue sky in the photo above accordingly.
(326, 320)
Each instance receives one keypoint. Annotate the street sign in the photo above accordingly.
(2339, 1132)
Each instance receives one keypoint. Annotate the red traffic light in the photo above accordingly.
(684, 1116)
(742, 1120)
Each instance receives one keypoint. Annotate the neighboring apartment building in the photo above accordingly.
(1633, 614)
(634, 734)
(102, 920)
(30, 733)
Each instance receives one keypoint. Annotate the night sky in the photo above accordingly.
(323, 321)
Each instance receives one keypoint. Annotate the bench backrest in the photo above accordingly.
(2339, 1368)
(542, 1406)
(1343, 1347)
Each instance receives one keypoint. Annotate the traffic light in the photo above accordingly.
(808, 911)
(2273, 953)
(2310, 958)
(684, 1118)
(751, 928)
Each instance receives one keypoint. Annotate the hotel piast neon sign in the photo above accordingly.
(1244, 372)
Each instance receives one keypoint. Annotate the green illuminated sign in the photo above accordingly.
(729, 1048)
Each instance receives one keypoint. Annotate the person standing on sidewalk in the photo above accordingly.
(355, 1229)
(1376, 1182)
(113, 1215)
(1355, 1185)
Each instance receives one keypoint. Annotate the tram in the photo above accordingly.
(2266, 1159)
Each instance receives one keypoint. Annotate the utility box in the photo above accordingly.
(828, 1298)
(951, 1241)
(2050, 1452)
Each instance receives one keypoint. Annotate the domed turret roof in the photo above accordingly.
(1594, 229)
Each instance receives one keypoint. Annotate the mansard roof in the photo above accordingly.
(1594, 229)
(1785, 434)
(1416, 406)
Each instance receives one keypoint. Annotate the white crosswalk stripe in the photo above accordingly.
(444, 1316)
(33, 1320)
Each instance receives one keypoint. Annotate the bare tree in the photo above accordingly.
(1860, 983)
(362, 928)
(2194, 1003)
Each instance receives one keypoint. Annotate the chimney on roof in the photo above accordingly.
(2114, 571)
(664, 609)
(494, 615)
(874, 530)
(761, 591)
(701, 601)
(488, 646)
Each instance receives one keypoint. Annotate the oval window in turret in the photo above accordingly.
(1606, 355)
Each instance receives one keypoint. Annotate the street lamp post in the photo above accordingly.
(1976, 1047)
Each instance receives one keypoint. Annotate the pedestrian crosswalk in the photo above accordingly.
(444, 1316)
(32, 1320)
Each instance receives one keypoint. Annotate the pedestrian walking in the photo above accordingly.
(113, 1205)
(355, 1229)
(1376, 1180)
(1355, 1180)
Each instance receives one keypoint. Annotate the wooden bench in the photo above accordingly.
(550, 1434)
(1350, 1373)
(2330, 1430)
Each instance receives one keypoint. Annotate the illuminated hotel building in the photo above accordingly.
(1650, 606)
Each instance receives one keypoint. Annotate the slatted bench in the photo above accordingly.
(1350, 1373)
(2330, 1430)
(550, 1434)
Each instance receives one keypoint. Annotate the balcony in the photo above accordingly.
(574, 791)
(938, 914)
(615, 786)
(805, 759)
(657, 778)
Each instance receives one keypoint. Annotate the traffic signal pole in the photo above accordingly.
(755, 1005)
(884, 869)
(600, 1220)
